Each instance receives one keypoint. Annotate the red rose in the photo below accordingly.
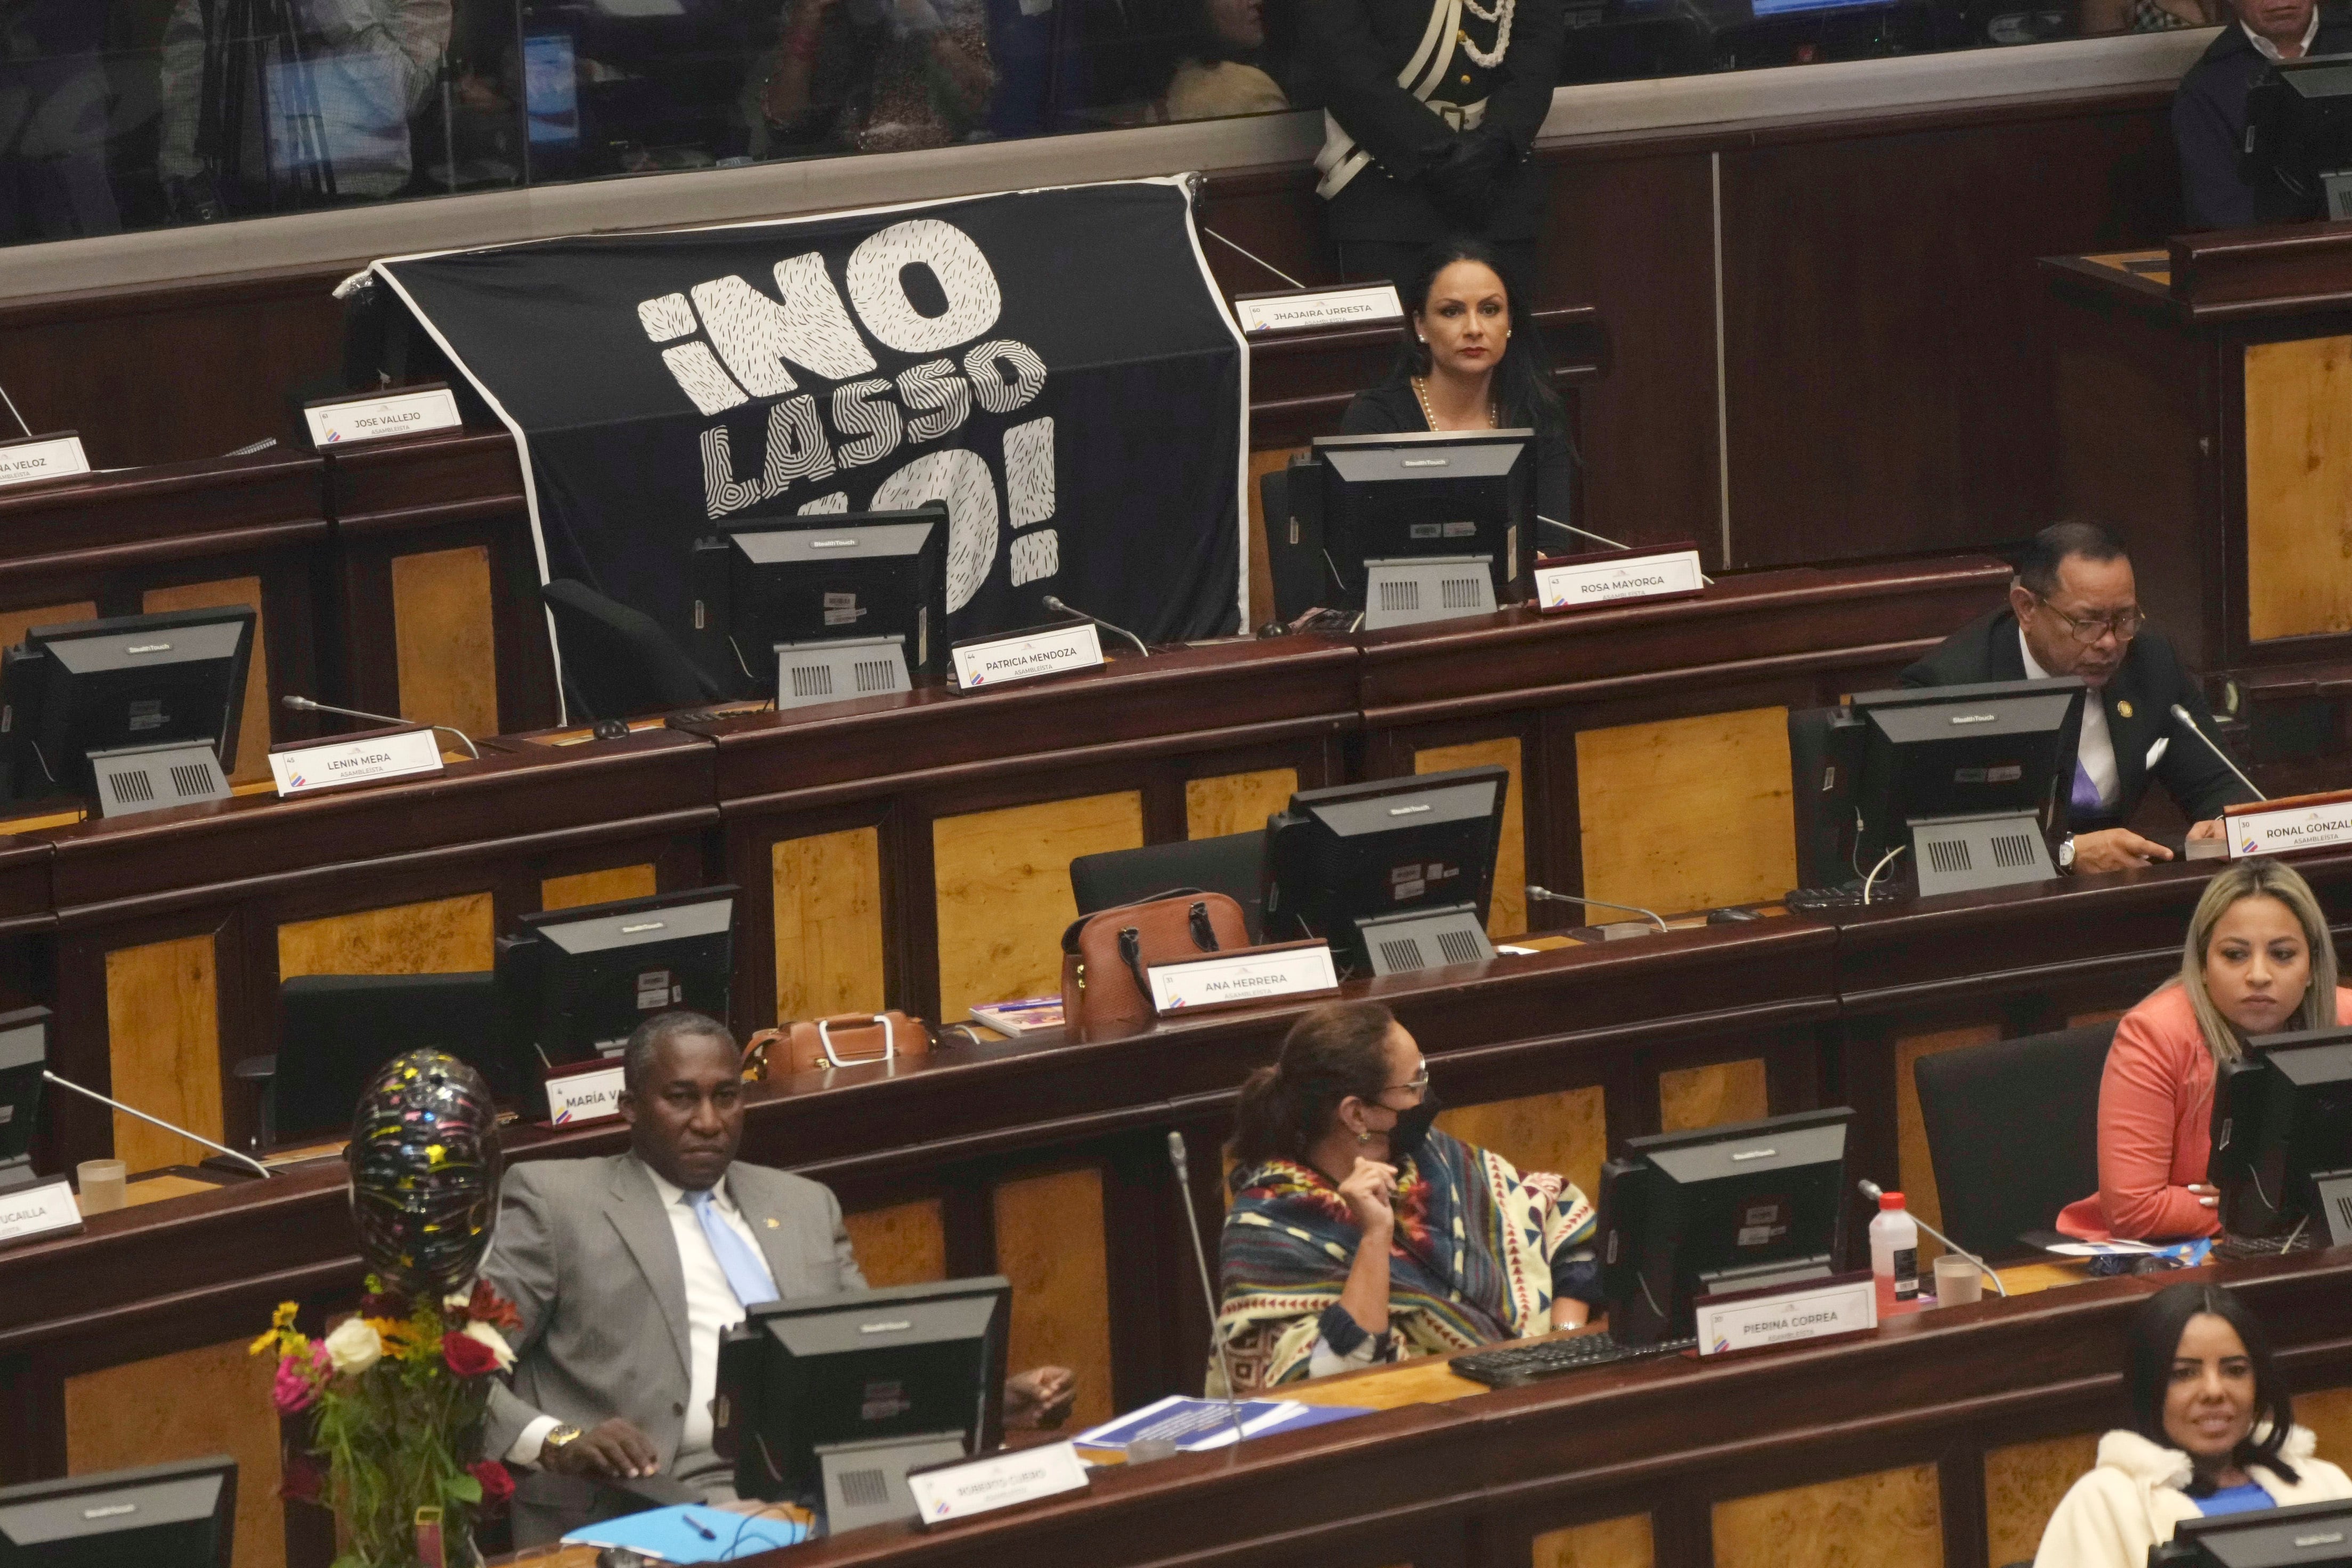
(468, 1356)
(498, 1486)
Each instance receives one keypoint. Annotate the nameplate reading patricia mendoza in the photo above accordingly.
(1000, 1481)
(1024, 656)
(1751, 1320)
(574, 1098)
(1256, 975)
(381, 418)
(301, 768)
(33, 1211)
(1319, 308)
(2275, 827)
(1585, 581)
(42, 457)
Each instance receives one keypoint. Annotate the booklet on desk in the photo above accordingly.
(1194, 1425)
(1032, 1015)
(688, 1532)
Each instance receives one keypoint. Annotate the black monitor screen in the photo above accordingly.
(1391, 847)
(859, 574)
(135, 680)
(24, 1053)
(1949, 751)
(580, 980)
(2282, 1114)
(2304, 1535)
(1429, 493)
(179, 1515)
(336, 1030)
(2298, 133)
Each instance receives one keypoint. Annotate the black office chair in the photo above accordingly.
(336, 1030)
(617, 662)
(1233, 866)
(2013, 1131)
(1300, 582)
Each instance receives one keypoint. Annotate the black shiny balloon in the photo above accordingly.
(424, 1159)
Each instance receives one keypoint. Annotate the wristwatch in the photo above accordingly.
(562, 1437)
(2066, 854)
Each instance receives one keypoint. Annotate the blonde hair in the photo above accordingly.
(2257, 879)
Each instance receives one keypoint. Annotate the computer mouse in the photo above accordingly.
(622, 1557)
(610, 729)
(1730, 916)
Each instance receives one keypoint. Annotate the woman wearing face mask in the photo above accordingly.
(2258, 961)
(1360, 1233)
(2212, 1432)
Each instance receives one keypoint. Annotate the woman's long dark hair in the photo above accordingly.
(1524, 398)
(2148, 1355)
(1332, 1051)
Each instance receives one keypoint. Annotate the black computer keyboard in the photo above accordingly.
(1812, 900)
(1515, 1365)
(2238, 1248)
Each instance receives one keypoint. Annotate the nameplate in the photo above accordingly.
(391, 755)
(1816, 1309)
(999, 1480)
(347, 423)
(42, 457)
(592, 1095)
(31, 1211)
(1001, 660)
(2301, 823)
(1319, 308)
(1254, 975)
(1582, 581)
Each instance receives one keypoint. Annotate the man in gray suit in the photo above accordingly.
(626, 1270)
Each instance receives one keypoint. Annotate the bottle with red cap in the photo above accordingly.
(1895, 1255)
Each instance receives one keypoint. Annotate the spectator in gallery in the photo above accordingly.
(873, 75)
(2208, 111)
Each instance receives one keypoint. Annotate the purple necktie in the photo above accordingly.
(2087, 794)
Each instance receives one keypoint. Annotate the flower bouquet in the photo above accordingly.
(395, 1396)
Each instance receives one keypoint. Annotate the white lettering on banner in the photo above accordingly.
(999, 1480)
(1748, 1322)
(1319, 308)
(577, 1097)
(50, 458)
(374, 419)
(1244, 977)
(1586, 584)
(303, 768)
(1025, 657)
(38, 1210)
(2312, 826)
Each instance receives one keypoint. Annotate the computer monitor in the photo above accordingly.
(1746, 1205)
(335, 1031)
(836, 1398)
(24, 1055)
(1975, 782)
(834, 577)
(1400, 516)
(577, 981)
(2298, 151)
(2282, 1137)
(1396, 873)
(177, 1515)
(2301, 1535)
(138, 711)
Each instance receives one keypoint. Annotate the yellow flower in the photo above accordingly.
(281, 1327)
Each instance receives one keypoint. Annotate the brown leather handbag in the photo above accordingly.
(1106, 955)
(844, 1040)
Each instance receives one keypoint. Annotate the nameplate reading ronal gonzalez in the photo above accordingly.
(2281, 827)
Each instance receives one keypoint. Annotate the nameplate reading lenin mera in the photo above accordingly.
(42, 457)
(1751, 1319)
(1304, 309)
(1579, 582)
(1252, 975)
(2298, 822)
(1025, 655)
(393, 754)
(349, 422)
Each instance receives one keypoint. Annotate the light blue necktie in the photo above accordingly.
(746, 1271)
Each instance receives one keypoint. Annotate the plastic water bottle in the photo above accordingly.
(1895, 1255)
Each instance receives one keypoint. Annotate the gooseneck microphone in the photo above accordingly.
(1548, 895)
(155, 1121)
(1055, 604)
(1870, 1189)
(304, 705)
(1178, 1158)
(2185, 717)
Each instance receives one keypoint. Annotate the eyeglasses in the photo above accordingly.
(1418, 1083)
(2124, 624)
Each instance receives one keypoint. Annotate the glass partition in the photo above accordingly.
(120, 115)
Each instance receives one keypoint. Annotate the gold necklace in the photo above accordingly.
(1421, 391)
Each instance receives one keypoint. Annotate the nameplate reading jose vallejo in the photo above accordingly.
(1000, 1481)
(2311, 827)
(1027, 657)
(377, 418)
(42, 457)
(1589, 582)
(37, 1210)
(362, 761)
(1243, 977)
(1320, 307)
(1750, 1322)
(577, 1097)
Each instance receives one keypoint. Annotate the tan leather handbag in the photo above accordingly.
(1106, 955)
(844, 1040)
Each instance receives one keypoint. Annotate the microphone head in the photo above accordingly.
(1050, 603)
(2182, 714)
(1535, 891)
(300, 705)
(1177, 1156)
(1869, 1190)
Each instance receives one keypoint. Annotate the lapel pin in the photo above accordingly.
(771, 1225)
(2123, 710)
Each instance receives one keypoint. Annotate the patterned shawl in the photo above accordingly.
(1471, 1264)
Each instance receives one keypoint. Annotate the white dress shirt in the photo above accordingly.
(710, 1310)
(2096, 750)
(2269, 50)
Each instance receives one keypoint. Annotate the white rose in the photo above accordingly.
(495, 1339)
(354, 1346)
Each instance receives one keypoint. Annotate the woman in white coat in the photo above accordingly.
(2213, 1433)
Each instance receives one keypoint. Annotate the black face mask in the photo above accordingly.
(1411, 1129)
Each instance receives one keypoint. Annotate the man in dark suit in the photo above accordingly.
(2074, 610)
(2208, 111)
(626, 1270)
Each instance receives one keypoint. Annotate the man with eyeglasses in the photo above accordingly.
(2074, 610)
